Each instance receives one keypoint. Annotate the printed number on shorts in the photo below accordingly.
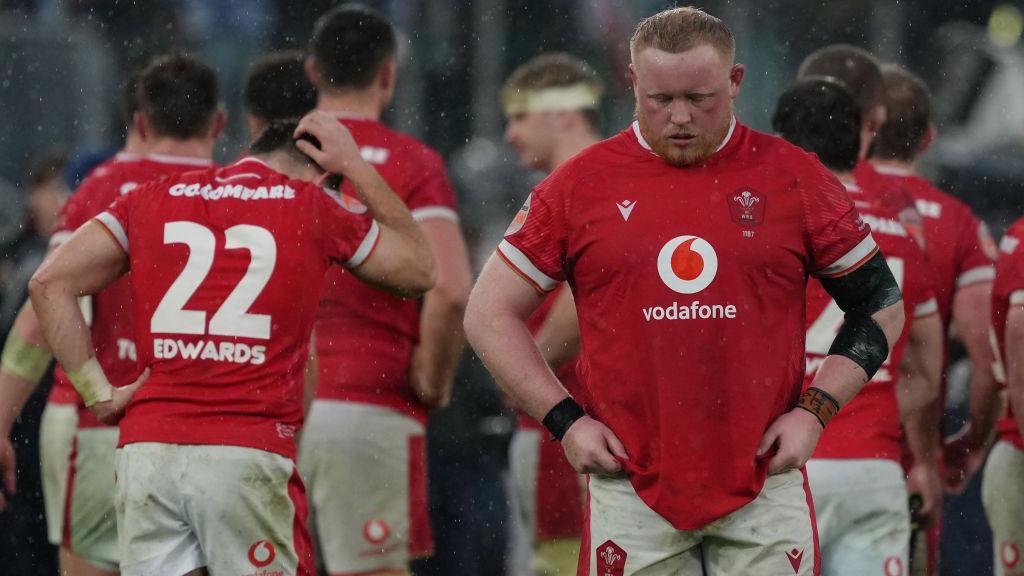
(233, 317)
(821, 334)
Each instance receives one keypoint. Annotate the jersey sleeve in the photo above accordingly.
(837, 239)
(431, 195)
(116, 219)
(535, 243)
(348, 233)
(975, 251)
(1010, 280)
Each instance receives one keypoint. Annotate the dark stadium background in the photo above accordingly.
(61, 63)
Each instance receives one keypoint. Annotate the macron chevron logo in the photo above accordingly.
(626, 208)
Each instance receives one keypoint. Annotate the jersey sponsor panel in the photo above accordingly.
(226, 316)
(705, 278)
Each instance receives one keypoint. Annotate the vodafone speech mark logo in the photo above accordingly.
(376, 531)
(893, 566)
(1009, 553)
(687, 264)
(262, 554)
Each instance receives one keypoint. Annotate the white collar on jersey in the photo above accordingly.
(851, 186)
(251, 159)
(892, 170)
(643, 141)
(163, 159)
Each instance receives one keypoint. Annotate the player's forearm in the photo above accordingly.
(559, 337)
(61, 318)
(442, 340)
(14, 393)
(1015, 364)
(971, 314)
(921, 368)
(922, 433)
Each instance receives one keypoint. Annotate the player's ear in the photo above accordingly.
(929, 138)
(217, 123)
(311, 70)
(386, 75)
(735, 79)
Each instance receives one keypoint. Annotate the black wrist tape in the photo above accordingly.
(862, 340)
(562, 416)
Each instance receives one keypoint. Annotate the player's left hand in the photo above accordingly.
(338, 152)
(924, 479)
(111, 411)
(8, 469)
(795, 434)
(963, 458)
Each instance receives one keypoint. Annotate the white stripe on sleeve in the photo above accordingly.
(929, 306)
(431, 212)
(855, 256)
(985, 273)
(516, 257)
(365, 247)
(116, 230)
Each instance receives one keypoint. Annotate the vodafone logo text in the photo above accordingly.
(687, 265)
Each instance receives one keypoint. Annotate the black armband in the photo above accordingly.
(562, 416)
(862, 340)
(861, 293)
(866, 290)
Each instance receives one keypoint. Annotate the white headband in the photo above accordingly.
(558, 99)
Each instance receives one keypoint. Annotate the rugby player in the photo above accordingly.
(177, 122)
(383, 362)
(227, 266)
(860, 493)
(551, 106)
(1004, 470)
(691, 312)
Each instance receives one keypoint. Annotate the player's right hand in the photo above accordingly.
(8, 469)
(338, 152)
(962, 458)
(111, 411)
(592, 448)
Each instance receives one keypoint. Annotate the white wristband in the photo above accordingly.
(91, 383)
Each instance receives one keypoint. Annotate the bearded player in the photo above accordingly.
(859, 489)
(177, 123)
(691, 313)
(551, 106)
(383, 361)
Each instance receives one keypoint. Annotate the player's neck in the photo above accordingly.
(896, 165)
(362, 104)
(193, 148)
(571, 145)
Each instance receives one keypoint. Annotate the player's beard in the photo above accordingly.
(700, 149)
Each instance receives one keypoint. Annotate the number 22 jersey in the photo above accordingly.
(227, 269)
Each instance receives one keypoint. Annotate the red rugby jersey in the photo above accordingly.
(227, 269)
(689, 283)
(960, 248)
(365, 336)
(1008, 289)
(869, 425)
(111, 312)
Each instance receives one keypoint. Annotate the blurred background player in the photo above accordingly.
(199, 492)
(653, 271)
(861, 74)
(961, 253)
(551, 104)
(1004, 471)
(176, 123)
(277, 88)
(383, 361)
(26, 359)
(860, 493)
